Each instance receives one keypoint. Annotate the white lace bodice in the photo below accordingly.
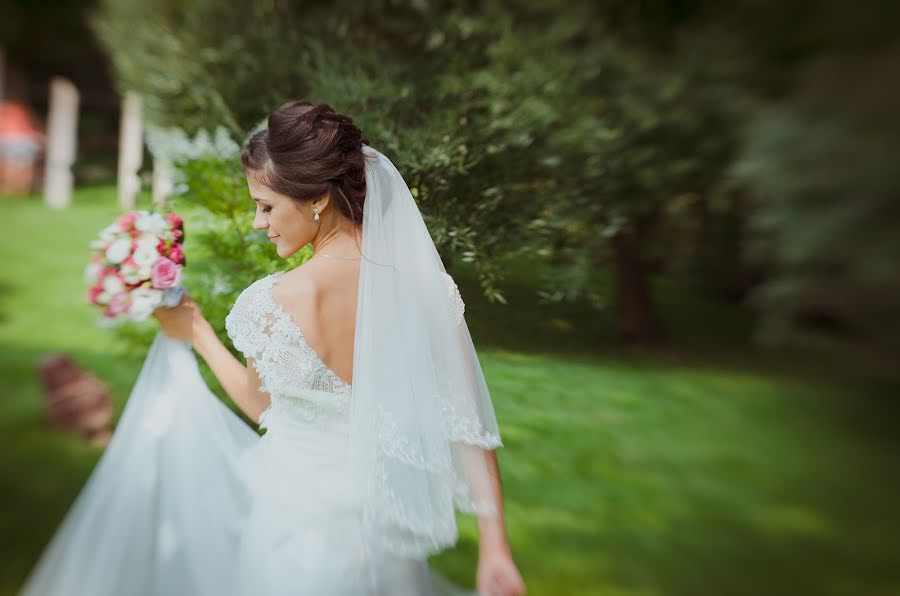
(303, 390)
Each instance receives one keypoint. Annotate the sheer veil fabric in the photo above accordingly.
(160, 514)
(165, 511)
(421, 410)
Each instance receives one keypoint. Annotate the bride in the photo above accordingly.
(361, 369)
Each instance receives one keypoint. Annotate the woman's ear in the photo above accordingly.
(322, 202)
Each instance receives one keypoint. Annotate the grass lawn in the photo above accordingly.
(715, 469)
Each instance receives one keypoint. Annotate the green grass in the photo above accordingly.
(712, 468)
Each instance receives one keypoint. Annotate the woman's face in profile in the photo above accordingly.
(287, 223)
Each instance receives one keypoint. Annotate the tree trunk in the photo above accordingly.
(637, 319)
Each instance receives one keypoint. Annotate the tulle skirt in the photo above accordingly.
(187, 500)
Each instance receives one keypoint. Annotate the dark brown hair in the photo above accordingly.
(307, 151)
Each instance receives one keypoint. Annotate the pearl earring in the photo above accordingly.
(316, 213)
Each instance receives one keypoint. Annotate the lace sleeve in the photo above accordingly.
(244, 325)
(459, 306)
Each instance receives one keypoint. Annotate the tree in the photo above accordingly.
(431, 87)
(816, 159)
(822, 164)
(522, 128)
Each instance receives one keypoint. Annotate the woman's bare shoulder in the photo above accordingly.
(316, 281)
(298, 285)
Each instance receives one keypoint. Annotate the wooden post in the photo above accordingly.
(62, 142)
(162, 181)
(131, 150)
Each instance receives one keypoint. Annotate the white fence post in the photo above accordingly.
(162, 181)
(131, 150)
(62, 142)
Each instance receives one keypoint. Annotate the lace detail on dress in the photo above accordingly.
(459, 307)
(289, 369)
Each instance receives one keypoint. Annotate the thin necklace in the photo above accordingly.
(338, 258)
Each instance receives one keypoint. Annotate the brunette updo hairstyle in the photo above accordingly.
(307, 151)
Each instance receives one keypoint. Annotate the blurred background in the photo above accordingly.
(675, 224)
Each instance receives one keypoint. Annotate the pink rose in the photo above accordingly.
(126, 222)
(175, 221)
(118, 304)
(161, 247)
(176, 254)
(165, 274)
(178, 234)
(93, 293)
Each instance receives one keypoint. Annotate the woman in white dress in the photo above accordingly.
(361, 369)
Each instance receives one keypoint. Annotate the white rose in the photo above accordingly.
(119, 250)
(158, 224)
(147, 239)
(110, 232)
(153, 223)
(143, 222)
(145, 271)
(130, 273)
(112, 285)
(145, 255)
(143, 301)
(92, 272)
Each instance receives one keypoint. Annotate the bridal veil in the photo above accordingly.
(421, 411)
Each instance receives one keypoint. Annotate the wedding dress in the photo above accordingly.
(303, 534)
(349, 489)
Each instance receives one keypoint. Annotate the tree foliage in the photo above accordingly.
(463, 150)
(822, 164)
(585, 134)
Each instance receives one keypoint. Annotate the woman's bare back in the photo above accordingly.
(320, 296)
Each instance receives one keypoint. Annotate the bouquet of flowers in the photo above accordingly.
(136, 266)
